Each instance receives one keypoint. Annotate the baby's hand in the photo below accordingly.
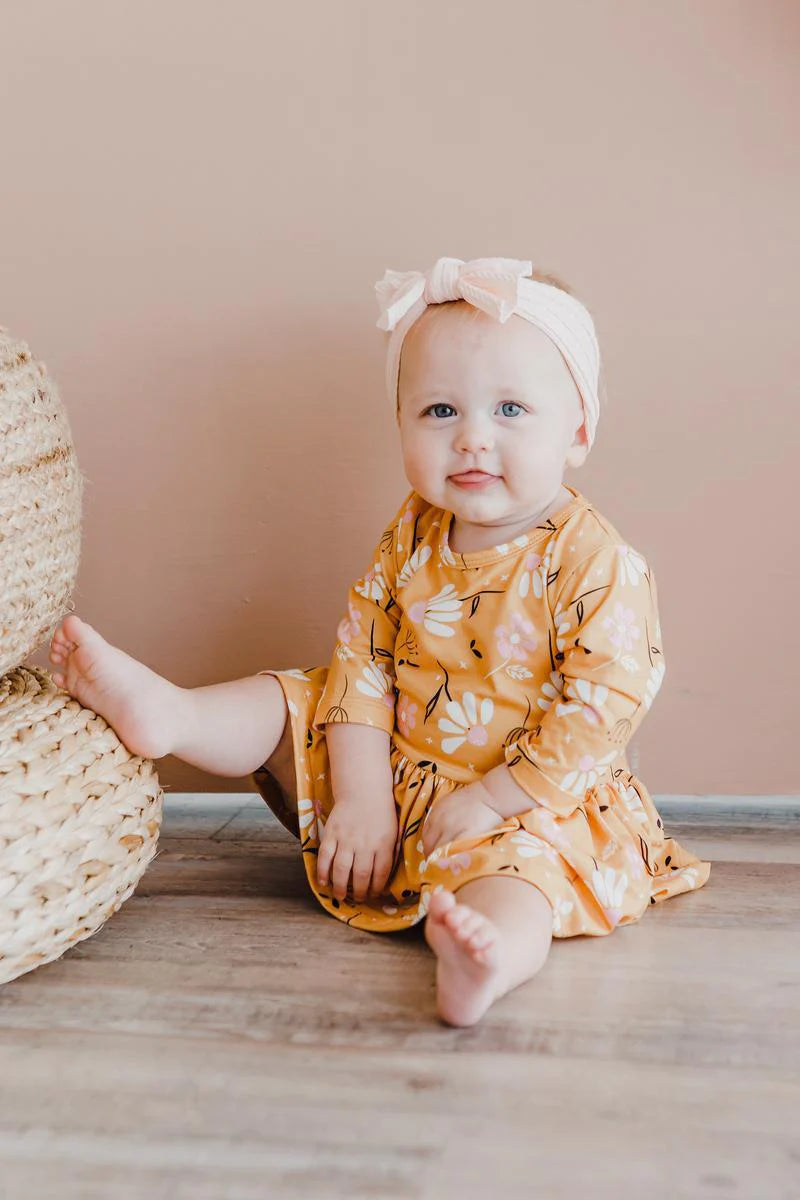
(462, 813)
(359, 838)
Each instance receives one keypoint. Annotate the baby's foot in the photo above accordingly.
(140, 706)
(465, 943)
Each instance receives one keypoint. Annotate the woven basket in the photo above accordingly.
(79, 821)
(40, 504)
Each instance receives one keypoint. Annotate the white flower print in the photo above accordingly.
(551, 690)
(376, 683)
(561, 908)
(632, 567)
(690, 874)
(657, 673)
(609, 886)
(310, 819)
(528, 845)
(373, 585)
(414, 563)
(629, 663)
(465, 723)
(634, 857)
(425, 898)
(632, 800)
(586, 697)
(344, 652)
(443, 607)
(622, 628)
(576, 783)
(534, 574)
(296, 673)
(562, 624)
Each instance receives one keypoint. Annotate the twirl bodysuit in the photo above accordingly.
(544, 653)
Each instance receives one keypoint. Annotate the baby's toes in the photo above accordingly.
(470, 922)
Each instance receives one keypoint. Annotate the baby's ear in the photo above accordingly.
(579, 450)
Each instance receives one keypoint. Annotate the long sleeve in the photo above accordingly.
(606, 644)
(360, 685)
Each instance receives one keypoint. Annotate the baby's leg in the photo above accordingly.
(227, 728)
(492, 938)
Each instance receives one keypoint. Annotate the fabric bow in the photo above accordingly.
(491, 284)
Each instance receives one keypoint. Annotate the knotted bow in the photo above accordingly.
(491, 284)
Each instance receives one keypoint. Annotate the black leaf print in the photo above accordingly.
(515, 760)
(474, 606)
(553, 577)
(412, 829)
(384, 653)
(580, 612)
(431, 705)
(386, 540)
(477, 653)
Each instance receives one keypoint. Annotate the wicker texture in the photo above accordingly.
(40, 504)
(79, 821)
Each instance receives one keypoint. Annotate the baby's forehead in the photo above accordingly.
(456, 329)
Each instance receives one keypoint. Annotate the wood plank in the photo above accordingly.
(223, 1037)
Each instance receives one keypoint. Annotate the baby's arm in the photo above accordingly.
(361, 832)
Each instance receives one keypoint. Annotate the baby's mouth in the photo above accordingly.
(474, 478)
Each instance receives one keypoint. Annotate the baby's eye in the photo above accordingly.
(511, 404)
(434, 407)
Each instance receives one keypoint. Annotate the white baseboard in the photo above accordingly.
(784, 803)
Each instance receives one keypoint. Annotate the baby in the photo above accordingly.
(463, 757)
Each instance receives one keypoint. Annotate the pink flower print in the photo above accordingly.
(416, 611)
(517, 640)
(406, 714)
(622, 628)
(349, 627)
(455, 863)
(531, 578)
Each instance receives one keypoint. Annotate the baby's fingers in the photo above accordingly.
(384, 860)
(340, 875)
(325, 856)
(362, 870)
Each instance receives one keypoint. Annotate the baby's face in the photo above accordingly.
(475, 395)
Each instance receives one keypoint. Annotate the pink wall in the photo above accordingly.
(196, 201)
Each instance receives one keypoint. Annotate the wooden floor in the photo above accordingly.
(223, 1038)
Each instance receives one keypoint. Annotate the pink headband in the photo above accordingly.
(498, 287)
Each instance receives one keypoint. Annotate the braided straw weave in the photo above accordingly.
(79, 821)
(40, 504)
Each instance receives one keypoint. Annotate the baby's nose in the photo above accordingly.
(474, 437)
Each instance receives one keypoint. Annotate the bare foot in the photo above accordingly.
(141, 707)
(465, 943)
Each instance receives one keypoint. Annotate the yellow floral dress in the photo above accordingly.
(544, 653)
